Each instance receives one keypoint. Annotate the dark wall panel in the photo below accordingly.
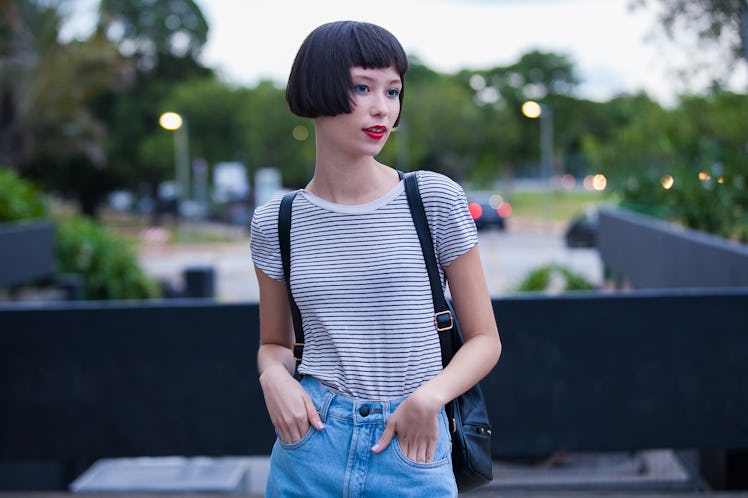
(579, 372)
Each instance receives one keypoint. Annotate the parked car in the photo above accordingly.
(582, 230)
(489, 210)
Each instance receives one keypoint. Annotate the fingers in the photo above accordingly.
(292, 424)
(384, 441)
(418, 451)
(421, 451)
(291, 428)
(313, 415)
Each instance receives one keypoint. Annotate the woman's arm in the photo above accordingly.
(415, 420)
(290, 408)
(482, 346)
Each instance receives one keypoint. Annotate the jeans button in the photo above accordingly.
(364, 410)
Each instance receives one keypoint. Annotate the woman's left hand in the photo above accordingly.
(416, 426)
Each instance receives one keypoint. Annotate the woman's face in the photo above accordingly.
(375, 107)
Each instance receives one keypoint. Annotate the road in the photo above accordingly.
(507, 258)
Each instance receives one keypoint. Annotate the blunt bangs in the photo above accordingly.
(320, 80)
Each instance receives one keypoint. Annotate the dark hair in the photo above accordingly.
(320, 81)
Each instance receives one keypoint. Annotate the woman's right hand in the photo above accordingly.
(290, 407)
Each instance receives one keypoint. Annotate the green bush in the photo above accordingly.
(107, 262)
(19, 199)
(554, 278)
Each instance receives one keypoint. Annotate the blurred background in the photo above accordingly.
(143, 119)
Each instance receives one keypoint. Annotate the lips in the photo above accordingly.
(375, 132)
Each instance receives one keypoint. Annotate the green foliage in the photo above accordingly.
(554, 278)
(699, 147)
(149, 28)
(19, 199)
(46, 86)
(108, 262)
(446, 137)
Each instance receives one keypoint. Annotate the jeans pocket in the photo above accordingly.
(301, 442)
(442, 452)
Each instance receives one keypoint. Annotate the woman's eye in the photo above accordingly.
(360, 88)
(393, 93)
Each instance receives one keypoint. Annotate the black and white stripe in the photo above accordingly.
(358, 277)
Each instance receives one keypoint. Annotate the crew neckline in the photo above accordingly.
(355, 208)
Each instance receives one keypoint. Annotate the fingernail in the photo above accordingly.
(375, 447)
(319, 426)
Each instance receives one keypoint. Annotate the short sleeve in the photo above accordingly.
(263, 239)
(453, 229)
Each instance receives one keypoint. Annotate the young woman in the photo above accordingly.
(367, 418)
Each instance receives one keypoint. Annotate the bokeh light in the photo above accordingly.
(531, 109)
(476, 211)
(170, 121)
(667, 182)
(300, 133)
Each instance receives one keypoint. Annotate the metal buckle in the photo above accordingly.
(298, 350)
(446, 327)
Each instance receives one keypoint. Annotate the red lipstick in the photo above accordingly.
(376, 132)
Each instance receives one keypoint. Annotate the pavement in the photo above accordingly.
(507, 257)
(650, 473)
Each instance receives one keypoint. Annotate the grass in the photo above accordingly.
(558, 206)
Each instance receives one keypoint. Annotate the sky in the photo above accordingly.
(606, 41)
(615, 50)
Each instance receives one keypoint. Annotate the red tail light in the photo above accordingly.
(504, 209)
(476, 211)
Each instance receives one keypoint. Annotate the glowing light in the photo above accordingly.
(495, 201)
(300, 133)
(531, 109)
(587, 182)
(721, 180)
(170, 121)
(504, 209)
(568, 181)
(476, 211)
(704, 176)
(667, 182)
(599, 182)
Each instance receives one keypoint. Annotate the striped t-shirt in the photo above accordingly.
(360, 282)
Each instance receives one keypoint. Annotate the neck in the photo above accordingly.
(350, 181)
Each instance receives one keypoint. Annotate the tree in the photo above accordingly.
(163, 39)
(147, 30)
(685, 164)
(721, 22)
(544, 76)
(444, 129)
(51, 134)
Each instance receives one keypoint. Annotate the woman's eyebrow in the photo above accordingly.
(396, 81)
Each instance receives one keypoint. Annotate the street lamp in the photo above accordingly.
(173, 122)
(533, 110)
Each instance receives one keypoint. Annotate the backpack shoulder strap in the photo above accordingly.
(443, 315)
(284, 239)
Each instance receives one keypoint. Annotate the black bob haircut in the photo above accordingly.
(320, 81)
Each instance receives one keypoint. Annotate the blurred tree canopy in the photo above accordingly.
(722, 24)
(81, 116)
(148, 30)
(49, 131)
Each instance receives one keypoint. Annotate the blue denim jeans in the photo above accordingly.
(338, 462)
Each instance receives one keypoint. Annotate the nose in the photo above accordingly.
(379, 105)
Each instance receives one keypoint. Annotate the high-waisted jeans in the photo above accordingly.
(337, 461)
